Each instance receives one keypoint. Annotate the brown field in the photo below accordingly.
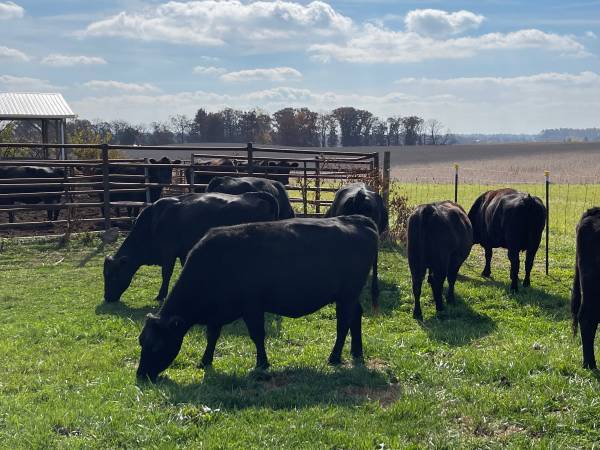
(497, 163)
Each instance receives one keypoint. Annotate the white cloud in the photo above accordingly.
(591, 35)
(209, 70)
(10, 10)
(277, 74)
(438, 23)
(12, 53)
(120, 86)
(381, 45)
(523, 104)
(258, 25)
(12, 83)
(58, 60)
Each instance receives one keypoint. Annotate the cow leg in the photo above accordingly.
(255, 323)
(375, 283)
(529, 258)
(452, 275)
(167, 271)
(56, 213)
(588, 333)
(417, 283)
(356, 347)
(487, 270)
(513, 256)
(344, 314)
(437, 286)
(212, 336)
(11, 217)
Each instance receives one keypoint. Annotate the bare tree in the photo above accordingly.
(433, 132)
(181, 125)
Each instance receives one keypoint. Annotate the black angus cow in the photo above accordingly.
(585, 297)
(224, 165)
(509, 219)
(440, 238)
(278, 170)
(357, 199)
(156, 175)
(252, 271)
(236, 186)
(8, 172)
(169, 228)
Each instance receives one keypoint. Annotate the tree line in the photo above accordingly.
(300, 127)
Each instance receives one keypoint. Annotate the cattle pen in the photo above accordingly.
(87, 187)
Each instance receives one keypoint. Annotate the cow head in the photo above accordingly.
(281, 169)
(118, 273)
(163, 175)
(161, 341)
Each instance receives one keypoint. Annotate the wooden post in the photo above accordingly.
(318, 183)
(386, 179)
(250, 159)
(45, 137)
(106, 186)
(377, 172)
(305, 191)
(547, 175)
(147, 181)
(455, 183)
(191, 174)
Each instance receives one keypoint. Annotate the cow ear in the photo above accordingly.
(177, 161)
(294, 164)
(152, 161)
(272, 163)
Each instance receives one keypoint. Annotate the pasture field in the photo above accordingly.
(494, 370)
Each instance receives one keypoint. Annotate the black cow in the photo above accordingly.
(8, 172)
(224, 165)
(440, 238)
(509, 219)
(236, 186)
(357, 199)
(169, 228)
(291, 267)
(275, 170)
(156, 175)
(585, 298)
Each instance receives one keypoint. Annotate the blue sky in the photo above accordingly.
(477, 66)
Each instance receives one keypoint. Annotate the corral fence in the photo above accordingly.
(86, 188)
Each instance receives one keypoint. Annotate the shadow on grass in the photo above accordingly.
(389, 297)
(282, 389)
(552, 306)
(87, 258)
(458, 324)
(123, 310)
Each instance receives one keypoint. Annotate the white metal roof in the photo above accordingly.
(30, 105)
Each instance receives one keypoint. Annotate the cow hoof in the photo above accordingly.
(486, 274)
(589, 365)
(334, 361)
(418, 315)
(203, 365)
(358, 361)
(526, 283)
(261, 375)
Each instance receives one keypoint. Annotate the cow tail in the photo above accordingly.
(575, 300)
(418, 236)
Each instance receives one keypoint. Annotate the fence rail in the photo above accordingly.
(91, 188)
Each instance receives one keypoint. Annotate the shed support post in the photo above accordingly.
(386, 179)
(250, 159)
(106, 186)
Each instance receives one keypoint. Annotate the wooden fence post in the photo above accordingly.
(106, 186)
(318, 184)
(386, 179)
(377, 186)
(147, 181)
(455, 183)
(305, 191)
(250, 159)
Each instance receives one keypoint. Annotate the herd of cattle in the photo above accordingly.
(241, 249)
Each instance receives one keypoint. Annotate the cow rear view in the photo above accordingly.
(585, 297)
(509, 219)
(440, 238)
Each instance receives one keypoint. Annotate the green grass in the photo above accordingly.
(494, 370)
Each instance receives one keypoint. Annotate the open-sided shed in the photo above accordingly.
(40, 107)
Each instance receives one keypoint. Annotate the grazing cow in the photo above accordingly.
(585, 297)
(509, 219)
(357, 199)
(236, 186)
(275, 170)
(169, 228)
(247, 270)
(224, 165)
(9, 172)
(440, 238)
(156, 175)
